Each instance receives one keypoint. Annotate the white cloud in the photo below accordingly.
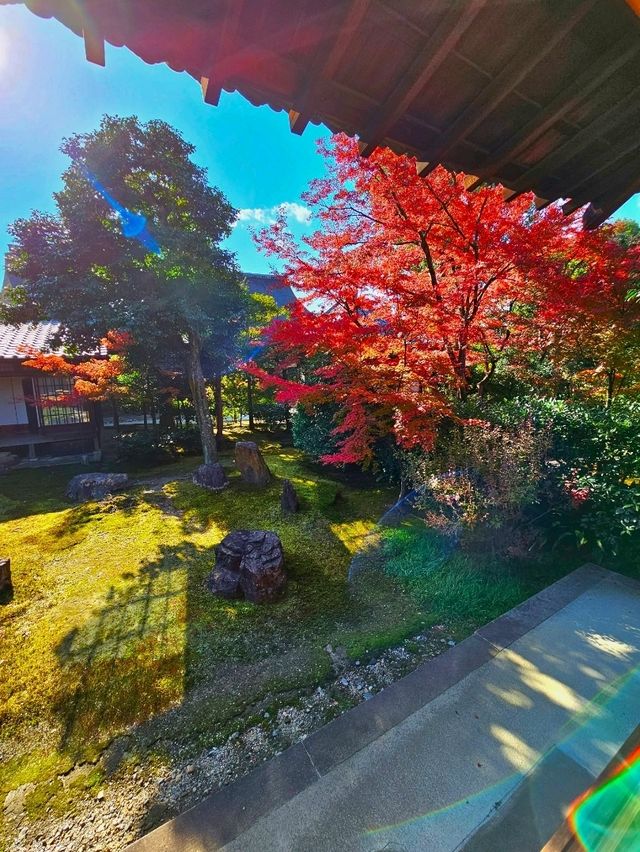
(267, 215)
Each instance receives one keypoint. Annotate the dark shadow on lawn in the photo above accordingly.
(162, 634)
(112, 665)
(162, 665)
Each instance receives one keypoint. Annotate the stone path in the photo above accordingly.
(481, 748)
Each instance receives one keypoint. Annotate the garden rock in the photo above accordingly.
(249, 563)
(251, 464)
(5, 575)
(289, 502)
(95, 486)
(211, 476)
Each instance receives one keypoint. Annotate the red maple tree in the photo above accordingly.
(411, 292)
(95, 379)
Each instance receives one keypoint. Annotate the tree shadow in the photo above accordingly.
(127, 661)
(159, 666)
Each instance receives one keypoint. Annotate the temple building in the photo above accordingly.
(35, 432)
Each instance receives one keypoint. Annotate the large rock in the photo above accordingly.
(289, 502)
(5, 576)
(95, 486)
(250, 564)
(252, 466)
(211, 476)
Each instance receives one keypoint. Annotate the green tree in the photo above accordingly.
(77, 265)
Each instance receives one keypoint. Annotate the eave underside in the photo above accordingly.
(538, 95)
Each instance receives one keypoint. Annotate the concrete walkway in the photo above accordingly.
(482, 748)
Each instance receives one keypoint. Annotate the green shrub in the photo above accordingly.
(480, 482)
(183, 441)
(312, 430)
(595, 472)
(144, 448)
(272, 414)
(592, 477)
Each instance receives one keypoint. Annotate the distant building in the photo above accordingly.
(40, 434)
(270, 285)
(31, 429)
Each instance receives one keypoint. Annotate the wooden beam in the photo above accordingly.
(609, 165)
(468, 181)
(599, 211)
(422, 68)
(210, 91)
(571, 206)
(93, 47)
(541, 203)
(613, 180)
(297, 122)
(326, 66)
(605, 121)
(616, 182)
(533, 49)
(564, 102)
(225, 43)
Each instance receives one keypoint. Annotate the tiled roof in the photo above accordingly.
(17, 341)
(270, 285)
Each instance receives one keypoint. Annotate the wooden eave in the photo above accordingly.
(540, 96)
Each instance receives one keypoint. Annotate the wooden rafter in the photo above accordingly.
(423, 67)
(586, 83)
(533, 49)
(598, 212)
(599, 179)
(605, 121)
(289, 56)
(225, 44)
(93, 46)
(326, 67)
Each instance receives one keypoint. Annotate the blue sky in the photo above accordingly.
(48, 91)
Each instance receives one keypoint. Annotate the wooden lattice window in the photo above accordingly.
(51, 388)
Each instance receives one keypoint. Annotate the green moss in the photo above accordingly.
(110, 626)
(32, 768)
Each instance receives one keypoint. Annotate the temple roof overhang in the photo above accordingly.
(540, 96)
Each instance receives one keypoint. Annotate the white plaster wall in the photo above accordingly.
(13, 410)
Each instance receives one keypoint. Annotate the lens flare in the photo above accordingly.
(133, 225)
(607, 818)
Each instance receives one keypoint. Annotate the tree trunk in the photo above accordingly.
(250, 401)
(116, 416)
(219, 411)
(199, 395)
(611, 378)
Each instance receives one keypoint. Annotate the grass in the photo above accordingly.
(113, 646)
(111, 632)
(456, 587)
